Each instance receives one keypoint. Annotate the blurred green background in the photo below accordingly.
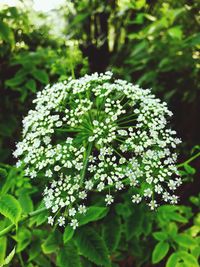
(155, 44)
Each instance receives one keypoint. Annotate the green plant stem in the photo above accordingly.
(189, 160)
(21, 259)
(26, 217)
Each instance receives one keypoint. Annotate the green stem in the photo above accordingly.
(21, 259)
(26, 217)
(189, 160)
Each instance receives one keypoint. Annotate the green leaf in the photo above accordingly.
(3, 175)
(25, 202)
(92, 214)
(175, 32)
(52, 243)
(10, 208)
(68, 234)
(189, 259)
(189, 169)
(3, 245)
(9, 257)
(41, 76)
(160, 236)
(160, 251)
(92, 246)
(35, 250)
(112, 231)
(16, 81)
(31, 85)
(185, 240)
(172, 260)
(68, 257)
(6, 33)
(23, 238)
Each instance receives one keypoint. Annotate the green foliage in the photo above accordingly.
(92, 246)
(152, 43)
(68, 257)
(10, 208)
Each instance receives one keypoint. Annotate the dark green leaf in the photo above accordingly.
(112, 231)
(31, 85)
(52, 243)
(40, 75)
(92, 246)
(68, 257)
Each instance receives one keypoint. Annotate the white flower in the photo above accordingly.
(153, 205)
(61, 221)
(109, 199)
(136, 198)
(87, 134)
(72, 212)
(82, 209)
(50, 220)
(74, 223)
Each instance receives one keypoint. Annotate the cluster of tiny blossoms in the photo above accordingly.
(98, 134)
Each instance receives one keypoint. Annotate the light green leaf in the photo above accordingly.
(160, 251)
(3, 245)
(10, 208)
(9, 258)
(92, 246)
(185, 240)
(68, 234)
(172, 260)
(68, 257)
(160, 236)
(41, 76)
(189, 259)
(175, 32)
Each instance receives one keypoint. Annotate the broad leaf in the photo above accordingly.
(160, 251)
(68, 257)
(41, 76)
(92, 214)
(23, 239)
(68, 234)
(10, 208)
(92, 246)
(52, 243)
(185, 240)
(172, 260)
(112, 231)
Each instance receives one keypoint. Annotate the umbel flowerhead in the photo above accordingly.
(98, 134)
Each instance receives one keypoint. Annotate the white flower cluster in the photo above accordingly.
(98, 134)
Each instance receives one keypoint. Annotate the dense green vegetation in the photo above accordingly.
(152, 43)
